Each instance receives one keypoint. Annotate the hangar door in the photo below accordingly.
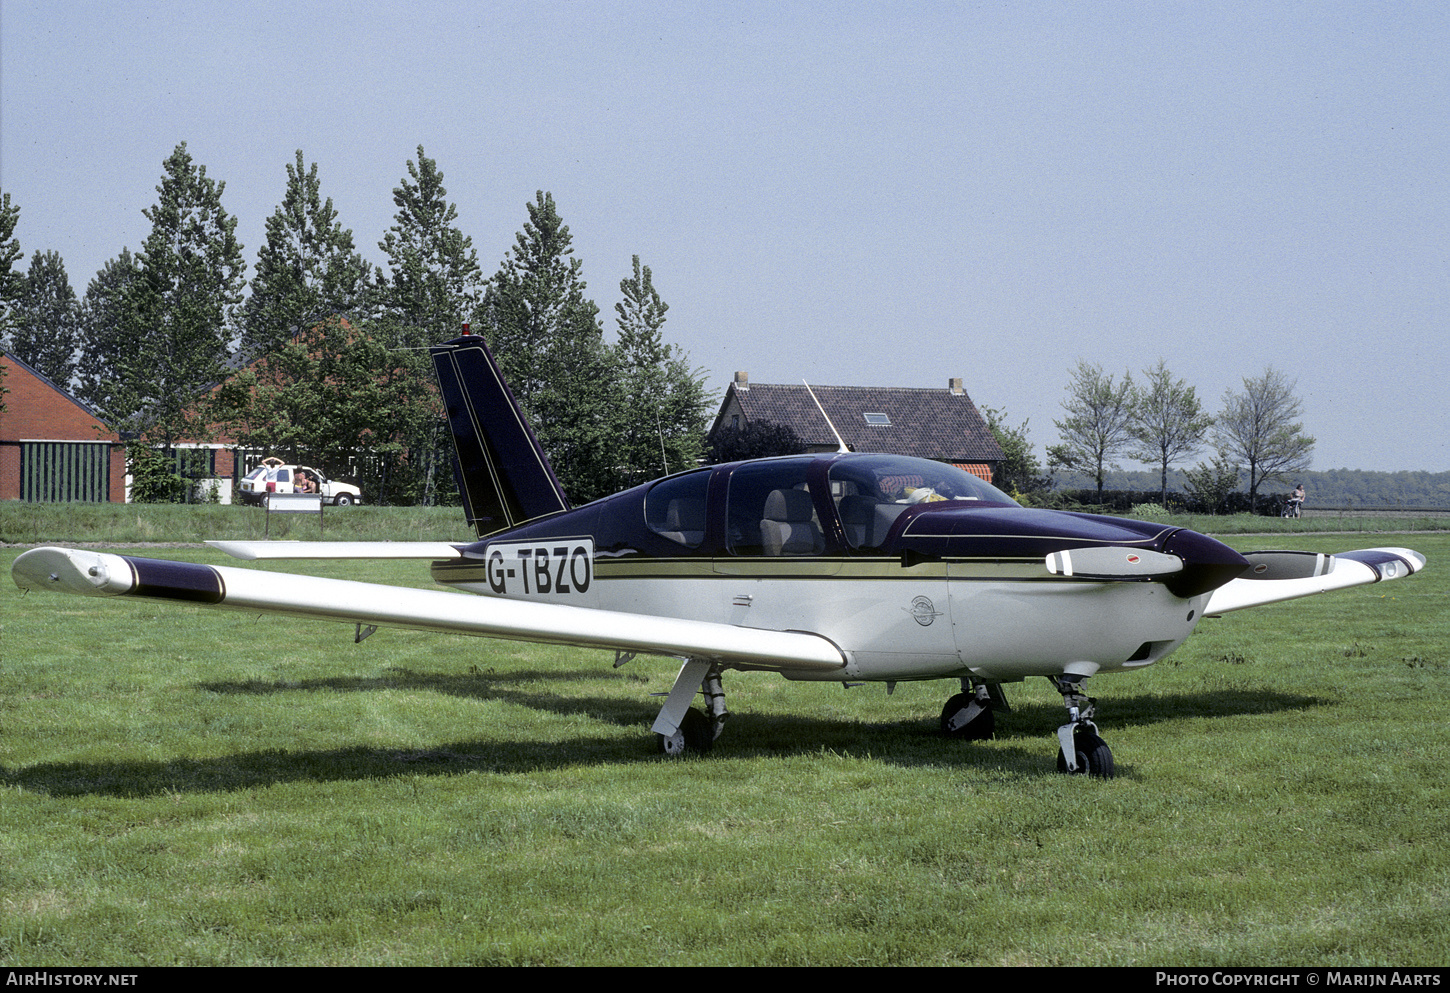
(65, 471)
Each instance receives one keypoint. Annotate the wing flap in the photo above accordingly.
(1346, 569)
(102, 574)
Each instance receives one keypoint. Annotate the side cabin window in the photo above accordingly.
(675, 508)
(769, 510)
(871, 492)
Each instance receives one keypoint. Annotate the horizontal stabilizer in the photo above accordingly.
(1112, 562)
(251, 551)
(1354, 568)
(103, 574)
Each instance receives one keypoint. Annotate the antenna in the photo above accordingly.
(839, 440)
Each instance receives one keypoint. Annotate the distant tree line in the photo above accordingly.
(1348, 488)
(322, 357)
(1159, 420)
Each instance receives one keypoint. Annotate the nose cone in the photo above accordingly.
(1207, 564)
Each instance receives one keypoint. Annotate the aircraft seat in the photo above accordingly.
(789, 527)
(685, 522)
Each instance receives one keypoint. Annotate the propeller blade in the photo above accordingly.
(1288, 565)
(1113, 562)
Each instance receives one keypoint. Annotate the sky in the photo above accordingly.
(843, 193)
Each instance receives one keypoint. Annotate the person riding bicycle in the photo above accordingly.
(1296, 502)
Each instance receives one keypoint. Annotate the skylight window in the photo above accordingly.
(877, 420)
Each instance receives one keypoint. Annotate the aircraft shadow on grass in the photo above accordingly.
(911, 742)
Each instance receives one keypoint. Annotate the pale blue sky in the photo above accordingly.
(849, 193)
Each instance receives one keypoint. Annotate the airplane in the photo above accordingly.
(839, 567)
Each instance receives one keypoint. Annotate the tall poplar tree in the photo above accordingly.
(44, 322)
(106, 333)
(11, 281)
(550, 347)
(182, 311)
(307, 269)
(659, 419)
(434, 276)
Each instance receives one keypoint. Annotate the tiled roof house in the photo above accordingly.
(936, 424)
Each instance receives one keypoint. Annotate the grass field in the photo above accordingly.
(184, 786)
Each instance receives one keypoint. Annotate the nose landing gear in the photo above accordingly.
(1081, 751)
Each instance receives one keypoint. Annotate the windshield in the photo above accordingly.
(871, 491)
(901, 479)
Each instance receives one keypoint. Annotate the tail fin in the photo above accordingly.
(502, 471)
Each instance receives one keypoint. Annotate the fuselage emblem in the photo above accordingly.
(924, 611)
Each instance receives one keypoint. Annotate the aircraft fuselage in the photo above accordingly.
(914, 569)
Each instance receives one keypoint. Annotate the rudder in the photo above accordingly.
(503, 474)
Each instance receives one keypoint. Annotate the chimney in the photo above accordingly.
(742, 381)
(955, 385)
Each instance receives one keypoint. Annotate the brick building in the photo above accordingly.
(53, 448)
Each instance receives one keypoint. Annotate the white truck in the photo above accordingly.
(275, 476)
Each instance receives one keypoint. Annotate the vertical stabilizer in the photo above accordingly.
(502, 471)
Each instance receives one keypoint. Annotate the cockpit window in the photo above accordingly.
(872, 491)
(675, 508)
(769, 510)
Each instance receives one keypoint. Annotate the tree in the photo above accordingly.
(1098, 426)
(435, 275)
(1258, 430)
(337, 398)
(1168, 422)
(1210, 483)
(550, 347)
(755, 440)
(180, 314)
(306, 270)
(659, 420)
(106, 333)
(11, 281)
(1020, 472)
(45, 319)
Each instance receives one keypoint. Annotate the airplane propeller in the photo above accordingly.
(1288, 565)
(1113, 562)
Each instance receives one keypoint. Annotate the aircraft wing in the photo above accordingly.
(1277, 576)
(436, 551)
(102, 574)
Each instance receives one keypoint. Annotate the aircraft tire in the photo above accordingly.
(981, 729)
(1094, 758)
(695, 735)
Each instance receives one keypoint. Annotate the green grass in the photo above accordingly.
(185, 786)
(29, 523)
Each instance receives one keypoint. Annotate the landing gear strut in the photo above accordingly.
(680, 729)
(1081, 751)
(969, 715)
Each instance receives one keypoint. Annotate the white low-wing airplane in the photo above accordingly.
(839, 567)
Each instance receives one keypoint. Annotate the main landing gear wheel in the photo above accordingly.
(969, 717)
(696, 734)
(1092, 758)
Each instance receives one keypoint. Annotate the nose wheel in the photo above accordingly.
(1081, 752)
